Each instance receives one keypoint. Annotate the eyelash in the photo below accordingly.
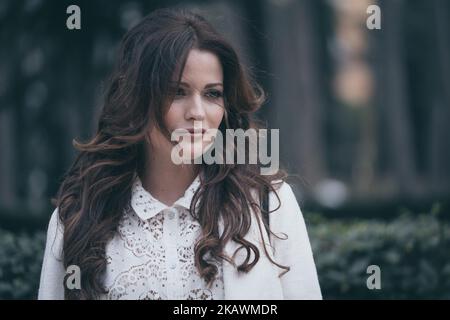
(213, 94)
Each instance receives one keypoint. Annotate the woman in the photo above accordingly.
(135, 224)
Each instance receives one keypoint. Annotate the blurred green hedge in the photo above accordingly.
(412, 251)
(20, 264)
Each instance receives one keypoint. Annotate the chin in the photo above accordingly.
(196, 150)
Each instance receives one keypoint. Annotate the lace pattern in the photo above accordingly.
(153, 258)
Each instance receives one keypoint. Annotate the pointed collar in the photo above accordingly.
(146, 206)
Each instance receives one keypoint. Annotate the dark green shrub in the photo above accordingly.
(20, 264)
(412, 253)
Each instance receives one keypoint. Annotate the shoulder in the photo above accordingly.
(53, 272)
(285, 212)
(55, 225)
(284, 190)
(54, 218)
(283, 197)
(55, 232)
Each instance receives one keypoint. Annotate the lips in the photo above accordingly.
(196, 130)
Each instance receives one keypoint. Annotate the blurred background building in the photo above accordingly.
(363, 116)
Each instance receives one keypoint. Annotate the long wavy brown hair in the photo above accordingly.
(97, 188)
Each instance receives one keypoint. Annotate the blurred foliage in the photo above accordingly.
(20, 264)
(411, 251)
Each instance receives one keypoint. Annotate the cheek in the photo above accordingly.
(173, 116)
(156, 138)
(215, 117)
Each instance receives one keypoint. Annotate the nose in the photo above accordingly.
(195, 109)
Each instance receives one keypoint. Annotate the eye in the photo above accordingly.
(215, 94)
(180, 92)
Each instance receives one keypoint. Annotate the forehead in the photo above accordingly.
(202, 67)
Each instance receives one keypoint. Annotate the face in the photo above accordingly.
(198, 105)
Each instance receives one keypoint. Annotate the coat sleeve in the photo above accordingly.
(301, 282)
(52, 272)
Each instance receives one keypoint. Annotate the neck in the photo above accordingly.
(166, 181)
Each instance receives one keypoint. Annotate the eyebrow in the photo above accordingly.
(209, 85)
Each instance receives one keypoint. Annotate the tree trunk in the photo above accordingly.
(296, 108)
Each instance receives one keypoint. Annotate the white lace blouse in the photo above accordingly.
(152, 254)
(152, 257)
